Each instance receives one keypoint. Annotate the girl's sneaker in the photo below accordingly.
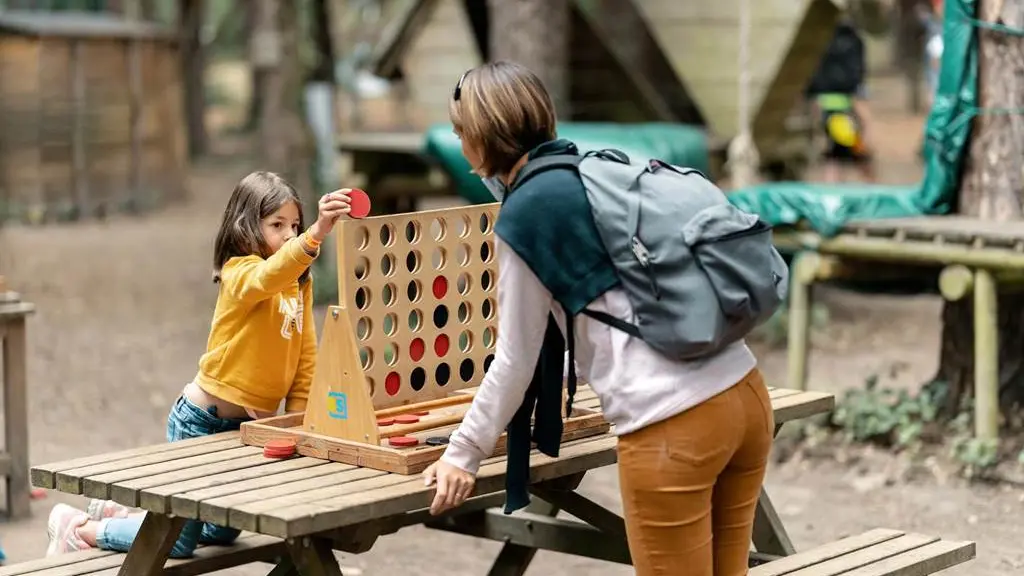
(62, 528)
(100, 509)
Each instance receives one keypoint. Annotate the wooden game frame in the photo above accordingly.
(447, 262)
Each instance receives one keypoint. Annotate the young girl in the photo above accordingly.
(261, 349)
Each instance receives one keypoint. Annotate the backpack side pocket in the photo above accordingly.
(734, 249)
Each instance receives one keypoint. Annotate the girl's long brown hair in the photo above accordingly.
(255, 197)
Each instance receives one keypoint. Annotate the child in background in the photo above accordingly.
(261, 349)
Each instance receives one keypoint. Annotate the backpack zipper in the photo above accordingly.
(644, 257)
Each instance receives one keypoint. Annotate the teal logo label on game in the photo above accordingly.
(340, 410)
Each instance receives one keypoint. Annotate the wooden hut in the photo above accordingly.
(91, 118)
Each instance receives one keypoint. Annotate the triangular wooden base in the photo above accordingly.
(339, 403)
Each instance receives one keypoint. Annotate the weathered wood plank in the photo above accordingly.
(158, 498)
(45, 475)
(53, 562)
(194, 503)
(866, 556)
(921, 561)
(127, 491)
(98, 485)
(301, 519)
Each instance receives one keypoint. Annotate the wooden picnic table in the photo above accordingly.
(318, 506)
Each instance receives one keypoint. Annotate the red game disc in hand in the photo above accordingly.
(359, 202)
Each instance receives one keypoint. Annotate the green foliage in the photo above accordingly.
(885, 415)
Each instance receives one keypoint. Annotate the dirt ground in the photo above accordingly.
(124, 306)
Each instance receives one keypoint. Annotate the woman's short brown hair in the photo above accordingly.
(503, 111)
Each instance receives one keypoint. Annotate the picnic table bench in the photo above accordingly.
(304, 508)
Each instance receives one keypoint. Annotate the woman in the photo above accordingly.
(693, 437)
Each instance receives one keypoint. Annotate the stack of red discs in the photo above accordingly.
(279, 448)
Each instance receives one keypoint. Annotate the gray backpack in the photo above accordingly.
(699, 272)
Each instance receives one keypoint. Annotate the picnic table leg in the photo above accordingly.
(16, 418)
(152, 545)
(770, 535)
(314, 556)
(514, 559)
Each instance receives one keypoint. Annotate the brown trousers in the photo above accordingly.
(690, 484)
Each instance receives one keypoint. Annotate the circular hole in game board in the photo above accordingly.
(438, 228)
(387, 235)
(442, 374)
(412, 232)
(366, 358)
(439, 287)
(362, 238)
(392, 383)
(363, 328)
(487, 362)
(488, 309)
(466, 369)
(362, 268)
(488, 339)
(440, 316)
(441, 345)
(371, 385)
(414, 291)
(390, 324)
(387, 264)
(486, 252)
(416, 349)
(465, 312)
(415, 320)
(362, 298)
(389, 294)
(485, 223)
(462, 226)
(418, 378)
(487, 280)
(412, 261)
(438, 258)
(464, 283)
(465, 341)
(462, 254)
(390, 354)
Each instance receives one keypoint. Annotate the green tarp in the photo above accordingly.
(825, 208)
(679, 144)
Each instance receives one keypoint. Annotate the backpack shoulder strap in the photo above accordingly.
(545, 163)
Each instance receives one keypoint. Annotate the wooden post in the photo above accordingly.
(193, 62)
(800, 281)
(15, 392)
(986, 357)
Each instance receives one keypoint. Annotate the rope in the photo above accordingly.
(743, 158)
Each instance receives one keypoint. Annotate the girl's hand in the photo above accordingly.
(331, 207)
(454, 485)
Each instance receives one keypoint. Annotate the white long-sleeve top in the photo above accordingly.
(635, 384)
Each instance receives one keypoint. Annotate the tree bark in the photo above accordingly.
(193, 62)
(992, 188)
(535, 34)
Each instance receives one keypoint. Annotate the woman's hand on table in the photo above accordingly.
(454, 486)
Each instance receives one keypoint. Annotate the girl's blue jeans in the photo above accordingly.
(186, 420)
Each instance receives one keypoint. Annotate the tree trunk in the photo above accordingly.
(535, 33)
(193, 61)
(992, 188)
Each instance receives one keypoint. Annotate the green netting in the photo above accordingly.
(679, 144)
(827, 208)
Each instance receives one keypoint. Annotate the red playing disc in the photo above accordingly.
(403, 441)
(441, 345)
(359, 202)
(280, 444)
(392, 383)
(406, 419)
(385, 421)
(416, 349)
(439, 287)
(276, 449)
